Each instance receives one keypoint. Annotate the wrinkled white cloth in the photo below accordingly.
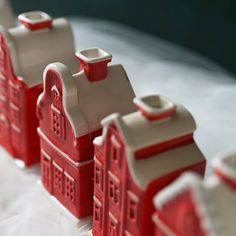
(153, 66)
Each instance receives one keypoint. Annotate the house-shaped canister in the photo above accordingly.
(191, 206)
(137, 155)
(70, 111)
(25, 51)
(6, 15)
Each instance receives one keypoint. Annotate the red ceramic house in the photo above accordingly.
(25, 51)
(191, 206)
(70, 111)
(137, 155)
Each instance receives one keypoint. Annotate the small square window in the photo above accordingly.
(70, 191)
(116, 149)
(57, 122)
(132, 207)
(57, 177)
(98, 175)
(114, 189)
(113, 226)
(97, 212)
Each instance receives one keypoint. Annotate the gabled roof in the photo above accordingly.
(215, 202)
(32, 51)
(87, 103)
(138, 132)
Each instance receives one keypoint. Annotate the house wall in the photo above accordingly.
(18, 112)
(52, 118)
(157, 185)
(117, 200)
(180, 216)
(106, 169)
(66, 161)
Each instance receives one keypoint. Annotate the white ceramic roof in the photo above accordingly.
(32, 51)
(6, 15)
(87, 103)
(215, 202)
(226, 164)
(138, 132)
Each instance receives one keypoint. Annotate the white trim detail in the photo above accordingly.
(77, 164)
(3, 98)
(113, 218)
(133, 196)
(114, 177)
(97, 201)
(17, 129)
(13, 106)
(57, 166)
(69, 176)
(46, 155)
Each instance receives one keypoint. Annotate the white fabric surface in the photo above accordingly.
(153, 66)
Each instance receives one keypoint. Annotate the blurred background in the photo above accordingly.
(207, 27)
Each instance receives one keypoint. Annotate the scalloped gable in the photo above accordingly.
(29, 50)
(86, 103)
(138, 132)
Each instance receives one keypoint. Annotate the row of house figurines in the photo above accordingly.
(102, 151)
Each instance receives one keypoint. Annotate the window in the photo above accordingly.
(15, 113)
(57, 177)
(98, 175)
(16, 136)
(97, 212)
(113, 226)
(114, 189)
(3, 84)
(15, 93)
(57, 122)
(3, 103)
(70, 188)
(55, 93)
(115, 150)
(132, 206)
(46, 170)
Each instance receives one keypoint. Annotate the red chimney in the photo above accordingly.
(35, 20)
(225, 168)
(155, 107)
(94, 63)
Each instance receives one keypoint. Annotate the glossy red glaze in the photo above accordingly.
(178, 217)
(66, 161)
(18, 121)
(95, 71)
(120, 206)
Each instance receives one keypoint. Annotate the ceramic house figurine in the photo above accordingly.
(25, 51)
(70, 111)
(6, 15)
(136, 156)
(194, 207)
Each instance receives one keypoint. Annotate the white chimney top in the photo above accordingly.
(35, 20)
(155, 107)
